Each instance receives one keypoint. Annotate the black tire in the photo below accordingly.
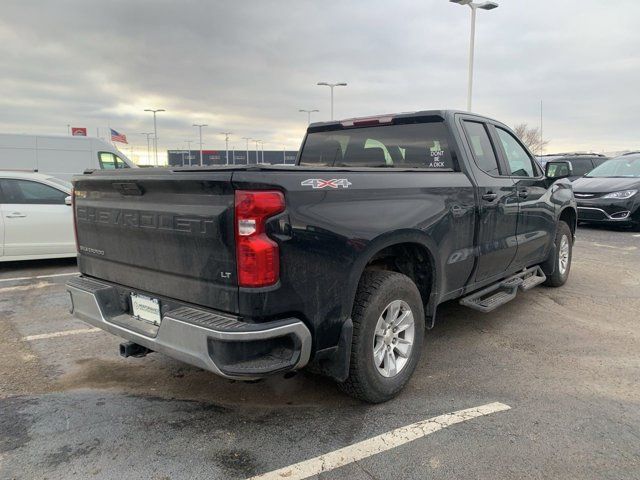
(377, 289)
(559, 277)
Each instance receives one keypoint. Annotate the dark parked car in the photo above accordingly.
(581, 163)
(609, 193)
(339, 262)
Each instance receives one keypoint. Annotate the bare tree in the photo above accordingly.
(530, 136)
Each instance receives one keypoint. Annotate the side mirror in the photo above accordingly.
(558, 169)
(67, 200)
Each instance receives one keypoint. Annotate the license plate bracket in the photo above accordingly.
(146, 308)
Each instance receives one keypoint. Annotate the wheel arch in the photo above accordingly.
(396, 252)
(569, 215)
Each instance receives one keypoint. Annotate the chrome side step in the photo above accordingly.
(491, 297)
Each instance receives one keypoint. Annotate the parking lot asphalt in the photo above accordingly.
(566, 361)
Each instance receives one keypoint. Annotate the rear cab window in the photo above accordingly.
(423, 145)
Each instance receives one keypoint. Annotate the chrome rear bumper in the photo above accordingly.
(213, 341)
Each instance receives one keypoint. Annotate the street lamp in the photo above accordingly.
(148, 145)
(200, 125)
(308, 112)
(332, 86)
(248, 139)
(188, 142)
(155, 130)
(262, 148)
(257, 157)
(226, 142)
(474, 7)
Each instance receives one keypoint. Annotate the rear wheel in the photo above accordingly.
(563, 255)
(388, 332)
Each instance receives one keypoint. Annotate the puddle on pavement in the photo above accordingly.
(168, 379)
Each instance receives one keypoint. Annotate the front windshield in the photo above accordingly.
(618, 167)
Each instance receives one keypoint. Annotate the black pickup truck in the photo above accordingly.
(337, 263)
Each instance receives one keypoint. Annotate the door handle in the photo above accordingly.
(16, 215)
(524, 193)
(490, 197)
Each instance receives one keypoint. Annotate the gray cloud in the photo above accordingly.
(248, 66)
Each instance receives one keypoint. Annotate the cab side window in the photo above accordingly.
(120, 163)
(107, 160)
(481, 146)
(520, 163)
(26, 192)
(110, 161)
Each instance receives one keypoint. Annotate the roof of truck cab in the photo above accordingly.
(442, 113)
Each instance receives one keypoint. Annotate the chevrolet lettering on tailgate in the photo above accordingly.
(140, 219)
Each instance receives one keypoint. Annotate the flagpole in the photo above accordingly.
(110, 136)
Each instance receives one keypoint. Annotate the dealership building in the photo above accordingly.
(179, 158)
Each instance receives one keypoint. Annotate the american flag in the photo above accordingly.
(118, 137)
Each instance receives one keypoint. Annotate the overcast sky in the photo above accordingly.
(248, 66)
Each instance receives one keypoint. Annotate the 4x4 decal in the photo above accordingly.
(321, 183)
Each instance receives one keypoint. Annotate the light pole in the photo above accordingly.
(226, 143)
(308, 112)
(257, 157)
(189, 150)
(262, 147)
(200, 125)
(248, 139)
(474, 7)
(148, 145)
(155, 130)
(332, 86)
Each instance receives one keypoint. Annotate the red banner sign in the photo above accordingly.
(78, 131)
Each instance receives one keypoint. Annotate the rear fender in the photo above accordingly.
(388, 240)
(334, 362)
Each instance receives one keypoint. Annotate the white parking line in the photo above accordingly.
(626, 249)
(381, 443)
(64, 333)
(30, 286)
(18, 279)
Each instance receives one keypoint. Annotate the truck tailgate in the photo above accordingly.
(163, 232)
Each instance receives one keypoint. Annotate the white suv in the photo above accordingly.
(36, 217)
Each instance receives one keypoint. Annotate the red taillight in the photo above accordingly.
(75, 221)
(257, 255)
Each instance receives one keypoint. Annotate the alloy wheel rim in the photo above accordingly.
(563, 255)
(393, 338)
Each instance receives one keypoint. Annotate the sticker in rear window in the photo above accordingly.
(436, 154)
